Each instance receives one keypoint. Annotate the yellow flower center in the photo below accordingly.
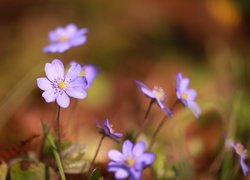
(63, 38)
(61, 84)
(130, 161)
(184, 96)
(159, 93)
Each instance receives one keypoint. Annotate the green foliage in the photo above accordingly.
(3, 170)
(96, 174)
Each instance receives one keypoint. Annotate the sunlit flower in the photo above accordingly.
(131, 161)
(89, 71)
(185, 95)
(241, 152)
(157, 94)
(63, 38)
(107, 130)
(58, 87)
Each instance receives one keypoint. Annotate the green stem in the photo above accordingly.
(145, 121)
(160, 125)
(96, 153)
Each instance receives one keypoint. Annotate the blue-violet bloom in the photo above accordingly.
(185, 95)
(156, 94)
(58, 87)
(89, 71)
(63, 38)
(107, 130)
(131, 161)
(241, 152)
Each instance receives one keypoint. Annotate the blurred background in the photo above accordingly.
(144, 40)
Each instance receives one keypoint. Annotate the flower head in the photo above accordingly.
(62, 39)
(131, 161)
(156, 94)
(185, 95)
(89, 71)
(241, 152)
(107, 130)
(58, 87)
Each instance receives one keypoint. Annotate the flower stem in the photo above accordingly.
(58, 132)
(96, 153)
(145, 121)
(160, 125)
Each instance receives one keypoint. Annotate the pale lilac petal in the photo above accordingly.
(118, 135)
(194, 107)
(146, 159)
(71, 29)
(76, 41)
(244, 166)
(184, 84)
(54, 70)
(44, 84)
(59, 68)
(121, 174)
(113, 166)
(148, 92)
(63, 100)
(90, 73)
(79, 82)
(139, 148)
(73, 72)
(191, 93)
(127, 148)
(49, 95)
(76, 92)
(115, 155)
(165, 108)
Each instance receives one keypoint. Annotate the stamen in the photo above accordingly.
(159, 93)
(130, 161)
(61, 84)
(184, 96)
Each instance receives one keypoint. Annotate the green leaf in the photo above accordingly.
(96, 175)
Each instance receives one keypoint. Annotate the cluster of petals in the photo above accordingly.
(241, 153)
(63, 38)
(131, 161)
(157, 94)
(185, 95)
(60, 87)
(107, 130)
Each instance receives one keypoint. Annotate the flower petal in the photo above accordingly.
(79, 82)
(145, 160)
(121, 174)
(90, 73)
(76, 92)
(49, 95)
(244, 167)
(73, 72)
(115, 155)
(44, 84)
(127, 148)
(191, 94)
(54, 70)
(63, 100)
(148, 92)
(139, 149)
(194, 107)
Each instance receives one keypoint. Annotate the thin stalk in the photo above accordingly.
(58, 132)
(160, 125)
(96, 153)
(145, 120)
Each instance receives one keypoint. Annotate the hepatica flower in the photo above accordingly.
(89, 71)
(58, 87)
(131, 161)
(157, 94)
(241, 152)
(185, 95)
(62, 39)
(107, 130)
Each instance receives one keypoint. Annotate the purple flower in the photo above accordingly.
(89, 71)
(58, 87)
(241, 152)
(157, 94)
(107, 130)
(185, 95)
(62, 39)
(131, 161)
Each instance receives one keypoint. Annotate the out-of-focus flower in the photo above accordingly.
(241, 152)
(131, 161)
(58, 87)
(185, 95)
(89, 71)
(107, 130)
(62, 39)
(157, 94)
